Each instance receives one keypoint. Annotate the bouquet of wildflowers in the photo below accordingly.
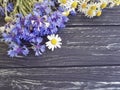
(33, 24)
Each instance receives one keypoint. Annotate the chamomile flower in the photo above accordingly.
(117, 2)
(82, 6)
(103, 5)
(74, 4)
(90, 13)
(63, 1)
(68, 6)
(94, 6)
(54, 42)
(111, 4)
(91, 8)
(98, 13)
(66, 13)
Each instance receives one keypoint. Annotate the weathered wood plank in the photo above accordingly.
(110, 16)
(72, 78)
(92, 42)
(82, 46)
(89, 45)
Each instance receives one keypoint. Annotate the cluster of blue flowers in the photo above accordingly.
(37, 22)
(31, 30)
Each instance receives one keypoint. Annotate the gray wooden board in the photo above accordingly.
(71, 78)
(92, 45)
(88, 60)
(110, 16)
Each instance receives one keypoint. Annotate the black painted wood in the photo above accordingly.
(88, 60)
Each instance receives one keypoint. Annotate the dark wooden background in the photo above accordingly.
(88, 60)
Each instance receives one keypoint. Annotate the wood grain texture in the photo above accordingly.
(92, 45)
(88, 60)
(72, 78)
(110, 16)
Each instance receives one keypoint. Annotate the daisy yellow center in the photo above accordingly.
(84, 5)
(117, 2)
(99, 13)
(74, 4)
(104, 5)
(93, 7)
(90, 12)
(66, 13)
(63, 1)
(54, 41)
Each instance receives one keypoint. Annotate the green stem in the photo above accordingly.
(5, 4)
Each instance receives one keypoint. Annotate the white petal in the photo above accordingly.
(49, 37)
(59, 46)
(59, 39)
(52, 48)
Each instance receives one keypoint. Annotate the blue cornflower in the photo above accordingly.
(39, 49)
(36, 40)
(39, 9)
(33, 28)
(58, 19)
(50, 3)
(7, 37)
(10, 7)
(17, 50)
(61, 9)
(72, 12)
(52, 29)
(2, 12)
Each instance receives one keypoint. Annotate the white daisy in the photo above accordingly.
(82, 6)
(68, 5)
(104, 3)
(54, 42)
(98, 13)
(93, 9)
(90, 13)
(111, 4)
